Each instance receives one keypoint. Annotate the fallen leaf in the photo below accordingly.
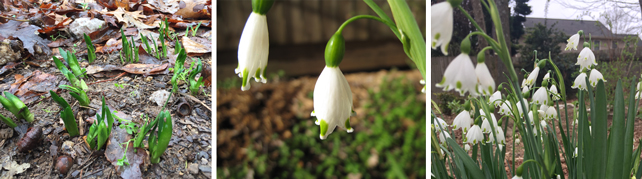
(28, 35)
(195, 9)
(15, 169)
(122, 4)
(201, 45)
(30, 88)
(129, 18)
(146, 58)
(8, 66)
(166, 6)
(115, 151)
(207, 75)
(141, 69)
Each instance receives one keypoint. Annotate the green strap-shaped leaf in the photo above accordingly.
(8, 121)
(58, 99)
(616, 138)
(462, 155)
(628, 133)
(70, 122)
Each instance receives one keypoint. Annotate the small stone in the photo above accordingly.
(125, 79)
(160, 97)
(84, 64)
(148, 79)
(67, 148)
(6, 133)
(189, 138)
(205, 169)
(203, 154)
(193, 168)
(204, 161)
(75, 173)
(85, 25)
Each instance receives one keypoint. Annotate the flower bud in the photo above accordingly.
(481, 57)
(581, 32)
(455, 3)
(586, 44)
(541, 64)
(465, 46)
(334, 50)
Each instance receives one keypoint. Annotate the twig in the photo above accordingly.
(100, 81)
(11, 18)
(94, 172)
(196, 100)
(88, 107)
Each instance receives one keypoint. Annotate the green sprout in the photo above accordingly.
(91, 50)
(99, 131)
(78, 83)
(77, 93)
(66, 114)
(17, 107)
(8, 121)
(73, 63)
(159, 141)
(195, 84)
(130, 50)
(124, 161)
(178, 69)
(164, 28)
(194, 29)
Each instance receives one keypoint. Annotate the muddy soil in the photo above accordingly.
(187, 156)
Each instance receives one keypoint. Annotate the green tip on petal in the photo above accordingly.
(437, 36)
(262, 6)
(458, 85)
(324, 128)
(244, 83)
(347, 125)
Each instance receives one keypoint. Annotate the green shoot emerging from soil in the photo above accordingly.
(194, 29)
(91, 50)
(153, 49)
(195, 84)
(178, 69)
(73, 63)
(17, 107)
(99, 131)
(66, 114)
(158, 141)
(77, 93)
(129, 53)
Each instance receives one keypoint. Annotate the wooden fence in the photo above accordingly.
(308, 21)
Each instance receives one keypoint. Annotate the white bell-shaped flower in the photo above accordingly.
(580, 82)
(505, 109)
(540, 96)
(486, 128)
(543, 107)
(638, 94)
(595, 77)
(532, 77)
(332, 101)
(525, 90)
(586, 59)
(519, 107)
(543, 125)
(551, 113)
(496, 99)
(443, 135)
(500, 136)
(486, 84)
(441, 28)
(467, 147)
(462, 120)
(554, 94)
(253, 50)
(460, 75)
(530, 117)
(439, 123)
(572, 42)
(474, 135)
(546, 77)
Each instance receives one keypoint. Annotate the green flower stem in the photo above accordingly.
(364, 17)
(383, 16)
(406, 22)
(471, 18)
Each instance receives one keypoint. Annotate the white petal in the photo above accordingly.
(474, 135)
(441, 28)
(486, 83)
(332, 99)
(496, 99)
(532, 77)
(580, 82)
(554, 93)
(460, 75)
(572, 42)
(586, 59)
(541, 96)
(595, 76)
(253, 49)
(462, 120)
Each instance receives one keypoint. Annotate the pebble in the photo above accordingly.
(75, 173)
(203, 154)
(6, 133)
(125, 79)
(148, 79)
(193, 168)
(47, 131)
(205, 169)
(204, 161)
(67, 148)
(189, 138)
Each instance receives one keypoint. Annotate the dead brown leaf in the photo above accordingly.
(129, 18)
(195, 9)
(141, 69)
(115, 151)
(197, 45)
(29, 88)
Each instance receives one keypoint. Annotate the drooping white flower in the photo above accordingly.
(530, 117)
(253, 50)
(486, 125)
(505, 109)
(500, 136)
(580, 82)
(554, 95)
(586, 59)
(496, 99)
(543, 107)
(572, 42)
(525, 89)
(543, 124)
(462, 120)
(517, 177)
(467, 147)
(517, 141)
(441, 28)
(595, 76)
(332, 101)
(519, 107)
(547, 76)
(551, 113)
(460, 75)
(486, 84)
(532, 77)
(474, 135)
(575, 153)
(442, 136)
(439, 123)
(638, 94)
(540, 96)
(423, 82)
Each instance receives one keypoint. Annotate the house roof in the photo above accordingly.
(571, 26)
